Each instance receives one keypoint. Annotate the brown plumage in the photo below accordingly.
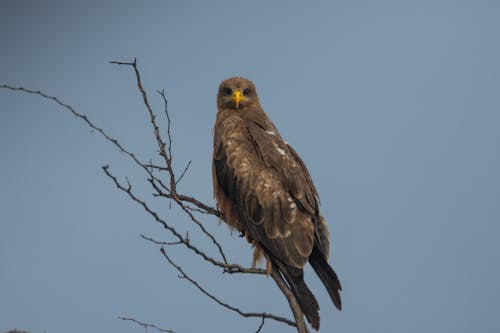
(264, 190)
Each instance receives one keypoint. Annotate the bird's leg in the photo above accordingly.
(257, 255)
(269, 265)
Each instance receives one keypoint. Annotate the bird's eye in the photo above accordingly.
(246, 91)
(227, 91)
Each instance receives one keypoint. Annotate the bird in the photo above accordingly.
(264, 190)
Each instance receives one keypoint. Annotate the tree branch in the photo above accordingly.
(223, 304)
(167, 155)
(178, 198)
(152, 118)
(146, 326)
(186, 242)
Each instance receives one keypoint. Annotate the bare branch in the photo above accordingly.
(261, 325)
(157, 242)
(178, 198)
(199, 204)
(167, 156)
(192, 217)
(229, 268)
(152, 118)
(124, 63)
(165, 102)
(183, 173)
(218, 301)
(154, 166)
(146, 326)
(78, 115)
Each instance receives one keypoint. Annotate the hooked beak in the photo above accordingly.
(237, 98)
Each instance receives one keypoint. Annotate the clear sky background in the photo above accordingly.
(393, 105)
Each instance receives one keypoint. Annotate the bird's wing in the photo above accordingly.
(270, 188)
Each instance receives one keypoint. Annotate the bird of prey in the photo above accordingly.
(264, 190)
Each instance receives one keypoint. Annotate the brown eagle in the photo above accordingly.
(263, 190)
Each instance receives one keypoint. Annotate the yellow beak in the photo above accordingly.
(237, 97)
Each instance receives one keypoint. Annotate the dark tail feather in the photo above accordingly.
(307, 302)
(327, 276)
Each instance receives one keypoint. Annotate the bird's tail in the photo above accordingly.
(327, 276)
(307, 302)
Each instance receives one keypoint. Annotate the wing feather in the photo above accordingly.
(269, 187)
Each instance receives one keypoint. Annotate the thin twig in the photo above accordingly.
(78, 115)
(261, 325)
(199, 204)
(165, 102)
(191, 216)
(183, 173)
(178, 198)
(157, 242)
(157, 167)
(145, 325)
(167, 156)
(218, 301)
(152, 118)
(228, 268)
(195, 209)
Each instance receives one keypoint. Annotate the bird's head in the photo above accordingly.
(236, 93)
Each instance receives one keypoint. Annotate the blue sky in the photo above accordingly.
(393, 105)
